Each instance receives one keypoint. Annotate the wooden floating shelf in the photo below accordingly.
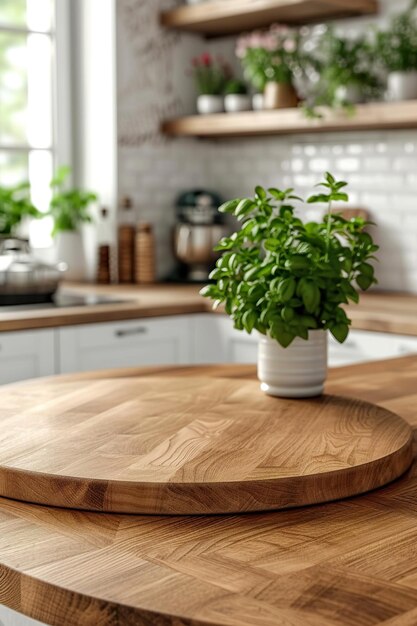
(375, 116)
(227, 17)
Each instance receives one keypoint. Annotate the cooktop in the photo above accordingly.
(62, 300)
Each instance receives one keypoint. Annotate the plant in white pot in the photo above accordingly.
(210, 75)
(70, 208)
(347, 74)
(236, 96)
(396, 47)
(289, 280)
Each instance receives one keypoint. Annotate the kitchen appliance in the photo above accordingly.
(199, 228)
(63, 300)
(23, 278)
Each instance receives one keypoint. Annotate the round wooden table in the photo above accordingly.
(350, 562)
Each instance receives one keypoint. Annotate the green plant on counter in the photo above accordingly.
(69, 208)
(15, 205)
(284, 277)
(396, 47)
(235, 86)
(347, 74)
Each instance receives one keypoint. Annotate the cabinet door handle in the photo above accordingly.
(140, 330)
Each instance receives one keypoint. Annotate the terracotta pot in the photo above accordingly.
(298, 371)
(280, 96)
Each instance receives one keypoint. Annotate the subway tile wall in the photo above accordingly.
(381, 167)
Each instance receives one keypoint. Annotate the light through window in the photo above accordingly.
(26, 101)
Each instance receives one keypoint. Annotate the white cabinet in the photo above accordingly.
(26, 354)
(216, 341)
(362, 346)
(160, 341)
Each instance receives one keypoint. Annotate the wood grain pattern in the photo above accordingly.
(349, 563)
(178, 446)
(372, 116)
(222, 17)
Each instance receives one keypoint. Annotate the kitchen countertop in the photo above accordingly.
(340, 564)
(385, 312)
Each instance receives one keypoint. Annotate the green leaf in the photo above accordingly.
(297, 262)
(310, 294)
(287, 314)
(260, 192)
(319, 198)
(367, 269)
(286, 289)
(339, 332)
(229, 206)
(249, 320)
(364, 282)
(244, 207)
(330, 179)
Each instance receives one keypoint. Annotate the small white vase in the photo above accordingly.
(350, 93)
(235, 102)
(70, 249)
(258, 102)
(402, 86)
(298, 371)
(207, 105)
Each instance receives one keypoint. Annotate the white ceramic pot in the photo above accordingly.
(258, 101)
(207, 105)
(70, 249)
(402, 86)
(298, 371)
(350, 93)
(235, 102)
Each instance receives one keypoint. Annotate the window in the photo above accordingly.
(27, 134)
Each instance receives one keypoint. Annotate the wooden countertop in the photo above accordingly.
(347, 563)
(385, 312)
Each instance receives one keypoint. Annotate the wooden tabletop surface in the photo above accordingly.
(385, 311)
(191, 445)
(347, 563)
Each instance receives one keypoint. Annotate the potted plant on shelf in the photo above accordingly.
(15, 206)
(269, 60)
(236, 96)
(289, 280)
(347, 74)
(210, 76)
(70, 208)
(397, 49)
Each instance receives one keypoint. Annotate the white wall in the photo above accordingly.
(381, 167)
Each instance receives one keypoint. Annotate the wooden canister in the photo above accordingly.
(145, 255)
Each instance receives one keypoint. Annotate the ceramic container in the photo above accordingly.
(298, 371)
(402, 86)
(280, 96)
(235, 102)
(207, 104)
(70, 249)
(258, 101)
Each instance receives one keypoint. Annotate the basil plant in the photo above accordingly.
(284, 277)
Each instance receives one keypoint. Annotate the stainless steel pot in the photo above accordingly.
(23, 278)
(194, 245)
